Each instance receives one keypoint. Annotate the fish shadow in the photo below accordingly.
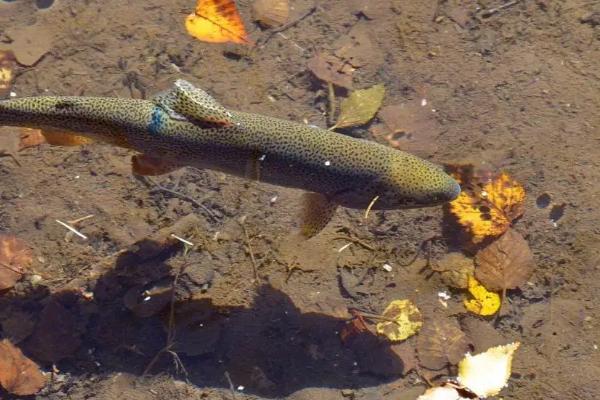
(270, 348)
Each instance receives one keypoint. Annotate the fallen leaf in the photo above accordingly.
(455, 269)
(9, 143)
(487, 373)
(483, 302)
(217, 21)
(409, 126)
(358, 49)
(18, 374)
(489, 208)
(30, 137)
(8, 64)
(406, 352)
(29, 42)
(360, 107)
(331, 69)
(441, 342)
(403, 320)
(506, 263)
(442, 393)
(271, 13)
(56, 336)
(15, 257)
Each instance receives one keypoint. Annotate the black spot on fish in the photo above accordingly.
(64, 104)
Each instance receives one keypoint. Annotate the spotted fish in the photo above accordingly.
(185, 126)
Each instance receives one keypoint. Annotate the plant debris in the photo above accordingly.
(271, 13)
(8, 64)
(217, 21)
(441, 342)
(487, 373)
(331, 69)
(403, 319)
(483, 302)
(506, 263)
(360, 107)
(455, 269)
(18, 374)
(15, 258)
(488, 208)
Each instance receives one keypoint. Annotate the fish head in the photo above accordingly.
(412, 183)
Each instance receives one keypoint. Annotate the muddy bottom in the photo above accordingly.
(248, 311)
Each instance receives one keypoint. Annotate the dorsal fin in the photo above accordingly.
(185, 101)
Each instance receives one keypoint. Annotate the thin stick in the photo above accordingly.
(75, 231)
(491, 11)
(11, 268)
(249, 247)
(230, 385)
(355, 240)
(288, 25)
(371, 204)
(331, 96)
(181, 196)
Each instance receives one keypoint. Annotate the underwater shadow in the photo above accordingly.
(271, 348)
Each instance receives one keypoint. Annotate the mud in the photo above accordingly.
(258, 315)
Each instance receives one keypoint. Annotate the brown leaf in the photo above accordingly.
(15, 257)
(410, 127)
(329, 68)
(18, 374)
(441, 342)
(506, 263)
(56, 336)
(7, 72)
(9, 143)
(406, 352)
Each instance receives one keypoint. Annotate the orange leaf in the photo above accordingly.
(18, 374)
(217, 21)
(488, 208)
(31, 138)
(14, 257)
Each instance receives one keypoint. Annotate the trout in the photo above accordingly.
(185, 126)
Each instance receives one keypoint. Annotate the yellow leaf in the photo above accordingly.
(217, 21)
(403, 320)
(360, 107)
(490, 210)
(483, 302)
(485, 374)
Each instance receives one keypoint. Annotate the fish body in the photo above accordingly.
(187, 127)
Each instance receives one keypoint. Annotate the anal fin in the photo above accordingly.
(318, 210)
(146, 165)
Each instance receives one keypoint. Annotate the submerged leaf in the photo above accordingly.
(331, 69)
(441, 342)
(483, 302)
(15, 257)
(18, 374)
(506, 263)
(217, 21)
(360, 107)
(488, 211)
(404, 320)
(8, 64)
(487, 373)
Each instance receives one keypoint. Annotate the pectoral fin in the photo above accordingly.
(185, 101)
(318, 210)
(145, 165)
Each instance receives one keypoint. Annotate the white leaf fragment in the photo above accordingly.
(441, 393)
(485, 374)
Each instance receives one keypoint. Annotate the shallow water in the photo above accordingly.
(258, 315)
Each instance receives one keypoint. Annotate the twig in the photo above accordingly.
(11, 268)
(331, 96)
(355, 240)
(491, 11)
(75, 231)
(250, 251)
(181, 196)
(371, 204)
(170, 333)
(231, 387)
(287, 26)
